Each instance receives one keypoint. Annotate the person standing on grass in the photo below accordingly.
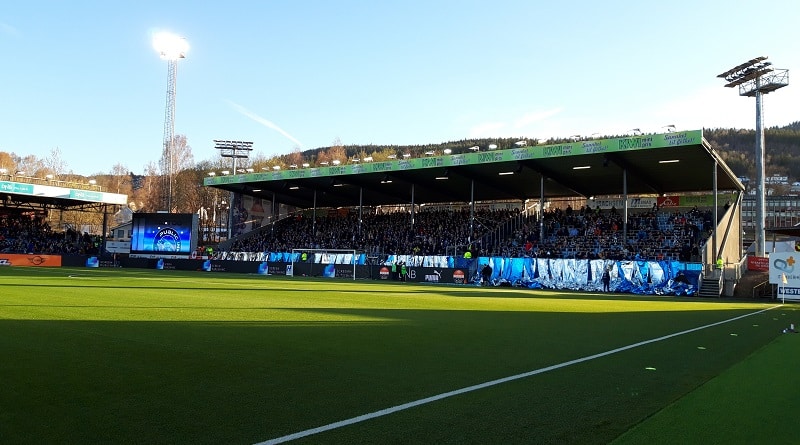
(403, 271)
(607, 279)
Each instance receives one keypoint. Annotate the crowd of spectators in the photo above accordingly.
(30, 233)
(590, 233)
(434, 232)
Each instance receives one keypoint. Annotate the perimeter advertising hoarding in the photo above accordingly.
(784, 271)
(13, 259)
(375, 272)
(163, 235)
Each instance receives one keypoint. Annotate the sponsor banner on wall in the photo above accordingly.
(619, 203)
(118, 246)
(13, 259)
(789, 293)
(758, 263)
(784, 269)
(706, 200)
(669, 201)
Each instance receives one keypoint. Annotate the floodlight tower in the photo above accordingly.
(171, 48)
(755, 78)
(235, 150)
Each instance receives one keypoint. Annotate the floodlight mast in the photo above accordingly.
(235, 150)
(171, 48)
(755, 78)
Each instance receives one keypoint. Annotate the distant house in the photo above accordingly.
(118, 239)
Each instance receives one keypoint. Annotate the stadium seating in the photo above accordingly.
(655, 234)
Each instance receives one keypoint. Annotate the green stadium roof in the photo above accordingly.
(668, 163)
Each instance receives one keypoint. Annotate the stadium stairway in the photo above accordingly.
(710, 287)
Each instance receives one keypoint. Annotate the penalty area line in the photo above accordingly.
(444, 395)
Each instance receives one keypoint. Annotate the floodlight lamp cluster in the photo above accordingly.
(170, 46)
(242, 145)
(745, 72)
(756, 76)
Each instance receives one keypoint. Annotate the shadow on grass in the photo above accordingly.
(244, 381)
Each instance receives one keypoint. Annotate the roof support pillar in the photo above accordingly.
(272, 217)
(471, 210)
(314, 217)
(541, 210)
(105, 229)
(625, 207)
(360, 207)
(715, 247)
(412, 205)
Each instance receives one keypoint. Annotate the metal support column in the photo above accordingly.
(314, 218)
(625, 208)
(471, 210)
(272, 215)
(360, 208)
(541, 210)
(761, 210)
(412, 205)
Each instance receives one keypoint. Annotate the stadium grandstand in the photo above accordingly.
(30, 210)
(656, 198)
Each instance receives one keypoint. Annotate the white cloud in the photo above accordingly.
(269, 124)
(8, 30)
(538, 116)
(514, 127)
(487, 129)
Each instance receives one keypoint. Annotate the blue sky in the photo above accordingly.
(82, 76)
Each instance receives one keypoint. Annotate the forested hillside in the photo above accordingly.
(781, 154)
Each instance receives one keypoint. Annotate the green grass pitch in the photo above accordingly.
(145, 356)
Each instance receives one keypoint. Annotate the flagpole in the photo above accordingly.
(783, 294)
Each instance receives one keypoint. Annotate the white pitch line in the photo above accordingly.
(404, 406)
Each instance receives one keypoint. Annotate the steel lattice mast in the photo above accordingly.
(167, 158)
(171, 48)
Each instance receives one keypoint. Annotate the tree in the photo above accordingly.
(210, 207)
(149, 196)
(179, 159)
(55, 163)
(31, 165)
(120, 180)
(182, 154)
(8, 161)
(336, 152)
(295, 157)
(187, 197)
